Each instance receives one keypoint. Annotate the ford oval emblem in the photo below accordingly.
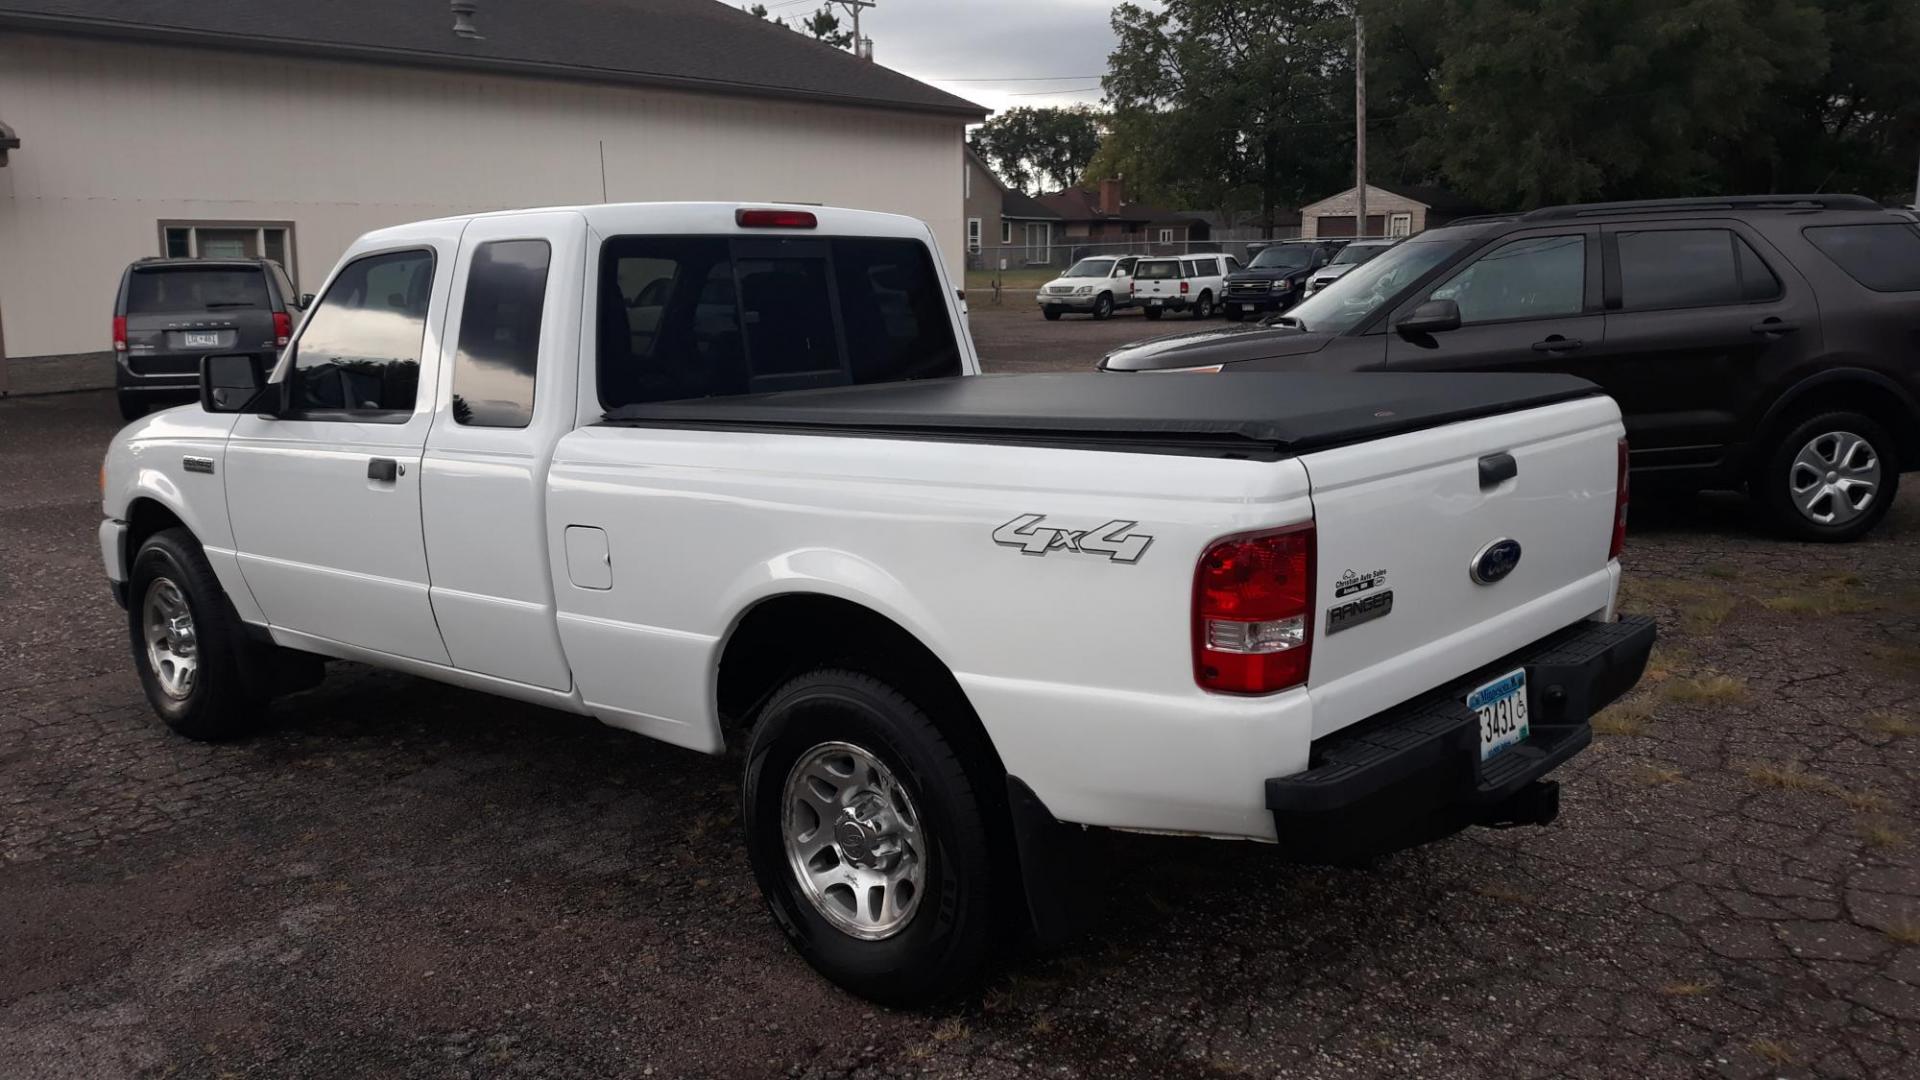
(1495, 561)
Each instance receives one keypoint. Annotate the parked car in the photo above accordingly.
(500, 454)
(168, 313)
(1276, 276)
(1765, 342)
(1355, 253)
(1098, 285)
(1190, 283)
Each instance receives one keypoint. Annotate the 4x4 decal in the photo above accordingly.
(1111, 540)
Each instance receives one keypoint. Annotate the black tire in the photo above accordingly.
(1052, 313)
(1235, 313)
(942, 949)
(1773, 483)
(132, 406)
(1152, 313)
(1103, 306)
(1203, 307)
(225, 698)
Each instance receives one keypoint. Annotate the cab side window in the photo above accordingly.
(1534, 278)
(493, 371)
(1682, 268)
(359, 356)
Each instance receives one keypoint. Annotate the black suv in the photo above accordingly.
(1276, 276)
(171, 312)
(1770, 342)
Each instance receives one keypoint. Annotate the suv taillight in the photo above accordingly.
(1619, 543)
(119, 333)
(1253, 612)
(282, 328)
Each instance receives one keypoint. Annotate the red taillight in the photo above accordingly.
(1619, 507)
(775, 219)
(1183, 288)
(1253, 612)
(282, 328)
(119, 333)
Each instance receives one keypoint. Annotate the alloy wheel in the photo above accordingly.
(173, 649)
(853, 840)
(1834, 478)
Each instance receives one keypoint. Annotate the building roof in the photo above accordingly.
(1433, 198)
(701, 45)
(1082, 204)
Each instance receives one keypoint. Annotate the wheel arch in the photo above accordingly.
(1857, 389)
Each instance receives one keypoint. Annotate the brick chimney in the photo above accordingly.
(1112, 194)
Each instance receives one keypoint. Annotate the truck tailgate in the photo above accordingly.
(1402, 521)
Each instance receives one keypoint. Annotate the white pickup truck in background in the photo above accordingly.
(726, 474)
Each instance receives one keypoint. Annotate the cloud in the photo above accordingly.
(956, 44)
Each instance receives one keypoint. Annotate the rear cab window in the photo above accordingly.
(694, 316)
(1882, 257)
(1157, 270)
(165, 290)
(499, 349)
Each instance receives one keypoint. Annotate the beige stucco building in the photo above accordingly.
(1401, 210)
(288, 129)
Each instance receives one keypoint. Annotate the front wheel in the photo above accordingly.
(1052, 313)
(867, 839)
(187, 644)
(1234, 313)
(1203, 307)
(1829, 479)
(1103, 306)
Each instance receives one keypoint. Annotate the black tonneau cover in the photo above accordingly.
(1251, 414)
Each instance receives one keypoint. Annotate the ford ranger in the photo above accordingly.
(728, 476)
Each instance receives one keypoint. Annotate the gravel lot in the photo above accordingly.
(400, 878)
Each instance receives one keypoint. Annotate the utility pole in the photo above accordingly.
(1359, 124)
(859, 43)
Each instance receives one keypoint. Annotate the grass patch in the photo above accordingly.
(950, 1030)
(982, 280)
(1667, 662)
(1866, 801)
(1659, 775)
(1880, 833)
(1501, 891)
(1791, 776)
(1686, 989)
(1775, 1052)
(1701, 608)
(1706, 690)
(1631, 717)
(1905, 930)
(1902, 660)
(1888, 722)
(1042, 1025)
(1721, 571)
(1821, 602)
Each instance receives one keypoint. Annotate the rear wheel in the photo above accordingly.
(1830, 478)
(1052, 313)
(1203, 307)
(194, 662)
(132, 406)
(1103, 306)
(867, 839)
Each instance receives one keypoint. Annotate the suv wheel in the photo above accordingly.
(1103, 306)
(1829, 478)
(867, 839)
(1052, 312)
(132, 406)
(187, 644)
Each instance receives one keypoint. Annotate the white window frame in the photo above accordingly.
(1400, 224)
(1166, 236)
(259, 228)
(1044, 248)
(1006, 233)
(973, 236)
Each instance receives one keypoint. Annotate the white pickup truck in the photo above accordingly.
(726, 475)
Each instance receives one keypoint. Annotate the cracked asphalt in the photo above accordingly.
(399, 878)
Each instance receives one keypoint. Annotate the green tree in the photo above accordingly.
(822, 25)
(1034, 149)
(1230, 104)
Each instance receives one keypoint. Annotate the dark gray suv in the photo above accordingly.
(1766, 342)
(171, 312)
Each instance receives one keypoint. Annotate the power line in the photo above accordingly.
(1020, 78)
(1050, 93)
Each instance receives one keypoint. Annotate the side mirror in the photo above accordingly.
(229, 384)
(306, 300)
(1432, 317)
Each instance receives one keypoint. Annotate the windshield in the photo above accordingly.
(1282, 257)
(1354, 295)
(1354, 254)
(1090, 268)
(192, 288)
(1156, 271)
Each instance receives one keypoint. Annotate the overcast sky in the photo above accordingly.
(1017, 44)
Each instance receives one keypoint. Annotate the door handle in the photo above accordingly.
(383, 469)
(1556, 343)
(1773, 325)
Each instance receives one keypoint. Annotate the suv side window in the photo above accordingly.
(494, 367)
(1681, 268)
(689, 316)
(359, 355)
(1884, 258)
(1533, 278)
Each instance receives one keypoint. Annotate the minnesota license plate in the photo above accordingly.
(192, 340)
(1502, 707)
